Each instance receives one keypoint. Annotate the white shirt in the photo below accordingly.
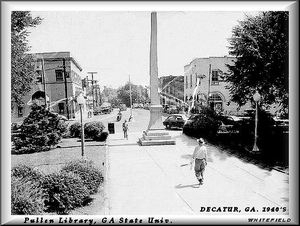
(200, 152)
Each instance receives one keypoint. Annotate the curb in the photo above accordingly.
(106, 199)
(281, 171)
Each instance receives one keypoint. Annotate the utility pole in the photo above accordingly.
(208, 93)
(92, 73)
(96, 94)
(66, 87)
(130, 98)
(44, 82)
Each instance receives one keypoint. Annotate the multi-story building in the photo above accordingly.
(204, 84)
(171, 89)
(58, 74)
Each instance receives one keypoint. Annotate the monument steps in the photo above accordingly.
(156, 142)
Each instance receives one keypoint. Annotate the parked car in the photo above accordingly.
(135, 105)
(229, 124)
(105, 108)
(175, 120)
(281, 125)
(201, 125)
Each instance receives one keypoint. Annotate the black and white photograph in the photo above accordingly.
(149, 112)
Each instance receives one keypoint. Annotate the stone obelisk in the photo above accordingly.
(155, 133)
(155, 122)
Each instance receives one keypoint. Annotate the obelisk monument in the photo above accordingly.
(155, 122)
(155, 133)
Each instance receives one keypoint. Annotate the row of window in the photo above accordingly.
(214, 79)
(59, 76)
(214, 97)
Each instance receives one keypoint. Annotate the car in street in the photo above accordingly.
(281, 125)
(105, 108)
(200, 124)
(175, 120)
(229, 124)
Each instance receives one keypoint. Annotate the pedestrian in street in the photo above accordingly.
(199, 160)
(125, 129)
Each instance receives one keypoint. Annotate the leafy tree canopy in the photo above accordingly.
(109, 94)
(138, 93)
(22, 68)
(260, 44)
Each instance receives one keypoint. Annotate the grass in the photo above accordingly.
(66, 151)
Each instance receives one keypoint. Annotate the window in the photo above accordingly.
(61, 107)
(215, 97)
(215, 76)
(59, 75)
(20, 111)
(186, 82)
(191, 78)
(39, 77)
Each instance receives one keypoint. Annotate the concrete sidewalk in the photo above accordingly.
(145, 180)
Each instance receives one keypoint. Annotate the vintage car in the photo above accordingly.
(105, 108)
(175, 120)
(230, 124)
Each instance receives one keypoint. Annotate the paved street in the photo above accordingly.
(151, 180)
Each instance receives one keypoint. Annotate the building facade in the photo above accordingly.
(204, 84)
(171, 90)
(58, 74)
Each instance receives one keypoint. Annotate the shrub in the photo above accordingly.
(65, 191)
(93, 129)
(102, 136)
(75, 129)
(89, 174)
(39, 131)
(27, 173)
(26, 197)
(207, 122)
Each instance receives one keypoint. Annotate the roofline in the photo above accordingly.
(208, 58)
(71, 58)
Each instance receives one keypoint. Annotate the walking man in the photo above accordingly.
(125, 129)
(199, 158)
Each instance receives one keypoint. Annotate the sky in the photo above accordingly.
(116, 44)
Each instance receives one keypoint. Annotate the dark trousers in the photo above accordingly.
(199, 168)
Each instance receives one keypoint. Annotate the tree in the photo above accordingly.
(260, 44)
(40, 131)
(22, 67)
(138, 94)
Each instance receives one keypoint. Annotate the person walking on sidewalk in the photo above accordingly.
(198, 159)
(125, 129)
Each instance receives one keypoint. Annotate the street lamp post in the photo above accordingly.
(81, 101)
(256, 98)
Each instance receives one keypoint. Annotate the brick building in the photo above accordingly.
(59, 74)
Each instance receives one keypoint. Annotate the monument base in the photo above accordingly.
(156, 137)
(155, 122)
(156, 134)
